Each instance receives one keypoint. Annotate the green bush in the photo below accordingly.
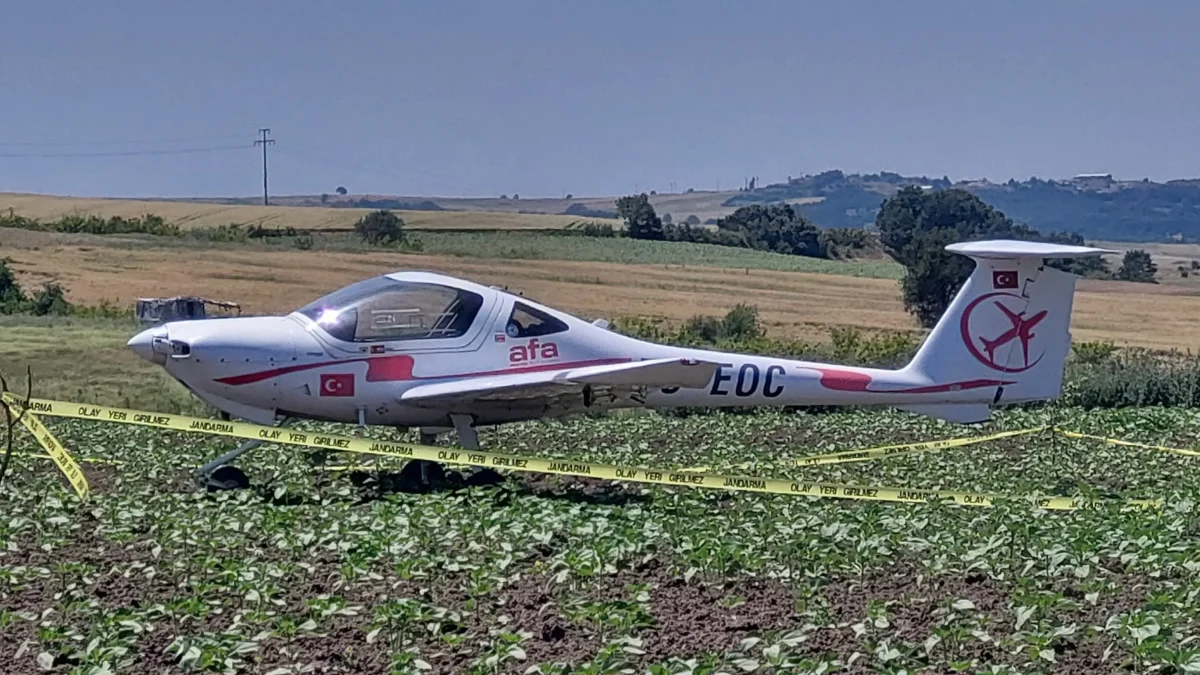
(1093, 352)
(76, 223)
(1132, 378)
(49, 301)
(381, 228)
(233, 232)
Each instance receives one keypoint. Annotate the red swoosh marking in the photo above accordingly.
(399, 368)
(850, 380)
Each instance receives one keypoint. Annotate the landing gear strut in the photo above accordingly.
(218, 475)
(427, 473)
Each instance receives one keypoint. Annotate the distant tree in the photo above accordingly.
(640, 218)
(50, 300)
(915, 226)
(775, 227)
(666, 218)
(503, 196)
(324, 198)
(569, 196)
(341, 190)
(12, 298)
(692, 220)
(516, 196)
(1138, 266)
(381, 228)
(691, 190)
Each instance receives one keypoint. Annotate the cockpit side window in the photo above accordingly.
(382, 310)
(525, 321)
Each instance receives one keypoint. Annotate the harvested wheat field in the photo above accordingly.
(790, 303)
(191, 215)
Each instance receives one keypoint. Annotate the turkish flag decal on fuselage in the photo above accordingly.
(337, 384)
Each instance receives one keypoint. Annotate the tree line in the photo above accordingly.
(914, 226)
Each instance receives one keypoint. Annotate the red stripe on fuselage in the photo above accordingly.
(852, 380)
(399, 368)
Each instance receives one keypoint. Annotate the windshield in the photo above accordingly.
(382, 309)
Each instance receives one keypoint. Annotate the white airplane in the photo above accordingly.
(426, 350)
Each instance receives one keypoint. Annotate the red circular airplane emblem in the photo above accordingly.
(996, 324)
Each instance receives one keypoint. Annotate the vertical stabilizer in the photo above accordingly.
(1009, 323)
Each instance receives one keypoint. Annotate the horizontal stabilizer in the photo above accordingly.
(1012, 249)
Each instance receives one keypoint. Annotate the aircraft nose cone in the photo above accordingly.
(142, 344)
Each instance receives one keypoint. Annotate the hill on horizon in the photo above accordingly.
(1096, 206)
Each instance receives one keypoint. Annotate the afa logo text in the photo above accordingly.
(532, 351)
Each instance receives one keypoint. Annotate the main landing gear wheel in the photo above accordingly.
(422, 474)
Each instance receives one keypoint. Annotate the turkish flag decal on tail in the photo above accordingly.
(337, 384)
(1004, 279)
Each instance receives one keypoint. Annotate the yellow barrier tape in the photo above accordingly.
(864, 454)
(1131, 444)
(50, 444)
(493, 460)
(908, 448)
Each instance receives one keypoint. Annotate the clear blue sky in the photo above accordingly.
(540, 98)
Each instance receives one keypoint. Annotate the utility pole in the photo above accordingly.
(264, 142)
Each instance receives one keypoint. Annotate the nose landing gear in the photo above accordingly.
(416, 475)
(218, 475)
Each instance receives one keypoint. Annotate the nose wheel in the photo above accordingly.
(226, 478)
(218, 475)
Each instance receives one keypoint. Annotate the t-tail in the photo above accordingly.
(1008, 328)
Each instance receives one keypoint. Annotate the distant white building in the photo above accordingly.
(1093, 181)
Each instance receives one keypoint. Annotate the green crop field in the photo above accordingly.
(622, 250)
(319, 570)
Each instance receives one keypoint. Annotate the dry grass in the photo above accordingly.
(198, 215)
(1168, 257)
(792, 303)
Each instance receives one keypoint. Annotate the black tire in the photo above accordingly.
(485, 477)
(411, 478)
(227, 478)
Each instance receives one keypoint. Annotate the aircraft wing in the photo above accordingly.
(556, 388)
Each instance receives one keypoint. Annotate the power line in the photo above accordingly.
(264, 142)
(124, 153)
(160, 141)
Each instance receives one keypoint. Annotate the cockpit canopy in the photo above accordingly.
(385, 309)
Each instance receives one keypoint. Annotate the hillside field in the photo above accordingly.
(794, 303)
(190, 215)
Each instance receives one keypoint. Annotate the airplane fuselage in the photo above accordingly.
(423, 349)
(260, 367)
